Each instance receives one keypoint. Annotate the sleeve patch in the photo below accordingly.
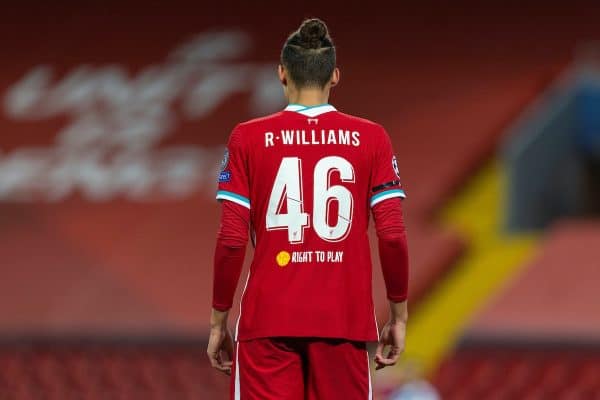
(225, 160)
(395, 166)
(224, 176)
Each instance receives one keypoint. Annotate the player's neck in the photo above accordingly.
(309, 97)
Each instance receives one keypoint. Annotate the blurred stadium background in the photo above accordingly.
(113, 118)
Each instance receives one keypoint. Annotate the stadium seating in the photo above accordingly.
(116, 371)
(526, 372)
(538, 338)
(555, 296)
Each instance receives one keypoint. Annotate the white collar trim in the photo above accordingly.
(310, 111)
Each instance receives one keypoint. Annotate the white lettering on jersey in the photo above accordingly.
(316, 256)
(313, 137)
(287, 137)
(344, 137)
(268, 139)
(331, 139)
(303, 134)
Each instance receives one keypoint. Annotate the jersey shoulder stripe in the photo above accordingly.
(233, 197)
(388, 194)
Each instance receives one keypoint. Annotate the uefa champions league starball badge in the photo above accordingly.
(225, 160)
(395, 166)
(224, 176)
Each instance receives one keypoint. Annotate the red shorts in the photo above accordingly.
(300, 369)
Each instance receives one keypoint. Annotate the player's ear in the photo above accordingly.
(282, 75)
(335, 77)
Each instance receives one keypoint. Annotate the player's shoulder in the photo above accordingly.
(259, 121)
(246, 129)
(363, 123)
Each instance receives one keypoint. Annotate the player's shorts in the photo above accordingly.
(300, 369)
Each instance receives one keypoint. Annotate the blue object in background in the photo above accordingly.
(588, 118)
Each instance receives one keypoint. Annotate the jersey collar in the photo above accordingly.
(310, 111)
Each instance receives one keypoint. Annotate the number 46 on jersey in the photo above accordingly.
(288, 188)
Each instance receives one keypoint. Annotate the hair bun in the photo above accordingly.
(312, 33)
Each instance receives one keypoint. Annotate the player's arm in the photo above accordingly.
(228, 261)
(393, 255)
(230, 248)
(393, 248)
(386, 205)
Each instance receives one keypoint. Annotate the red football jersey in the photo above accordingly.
(309, 176)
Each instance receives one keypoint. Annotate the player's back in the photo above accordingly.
(309, 176)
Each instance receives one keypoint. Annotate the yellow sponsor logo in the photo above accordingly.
(283, 258)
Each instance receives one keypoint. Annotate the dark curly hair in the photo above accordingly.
(309, 54)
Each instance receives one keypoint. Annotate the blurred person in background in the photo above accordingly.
(413, 386)
(304, 180)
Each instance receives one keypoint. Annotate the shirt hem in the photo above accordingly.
(353, 338)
